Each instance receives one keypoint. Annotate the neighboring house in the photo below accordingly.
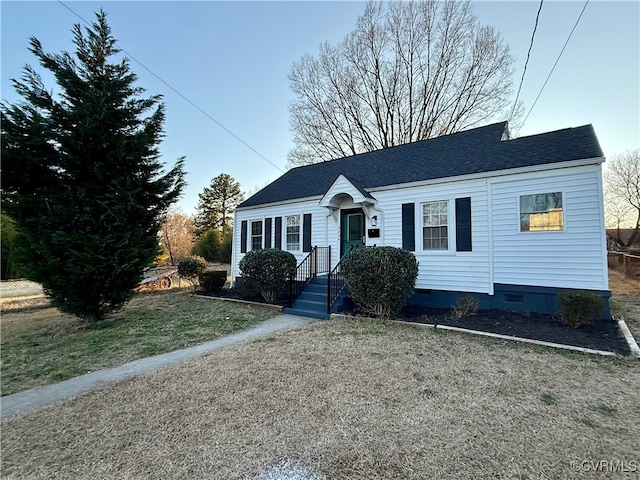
(512, 222)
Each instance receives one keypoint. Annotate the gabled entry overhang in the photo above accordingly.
(342, 187)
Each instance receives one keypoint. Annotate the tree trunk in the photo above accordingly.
(634, 235)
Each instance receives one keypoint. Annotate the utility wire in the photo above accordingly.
(181, 95)
(535, 27)
(554, 65)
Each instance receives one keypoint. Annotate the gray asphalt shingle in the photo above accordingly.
(469, 152)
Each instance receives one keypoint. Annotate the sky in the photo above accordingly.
(231, 60)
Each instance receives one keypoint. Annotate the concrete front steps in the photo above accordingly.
(312, 302)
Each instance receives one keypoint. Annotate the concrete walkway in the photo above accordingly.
(43, 396)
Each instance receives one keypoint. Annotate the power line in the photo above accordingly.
(181, 95)
(554, 65)
(535, 27)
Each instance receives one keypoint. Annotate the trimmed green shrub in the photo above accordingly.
(8, 243)
(579, 308)
(380, 279)
(269, 270)
(213, 280)
(190, 268)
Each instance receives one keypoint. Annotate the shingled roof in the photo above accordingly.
(483, 149)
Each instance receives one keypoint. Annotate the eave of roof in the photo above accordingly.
(439, 181)
(471, 152)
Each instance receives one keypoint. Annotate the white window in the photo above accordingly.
(293, 232)
(435, 226)
(256, 235)
(542, 211)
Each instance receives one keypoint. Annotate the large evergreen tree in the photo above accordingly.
(8, 235)
(82, 176)
(217, 203)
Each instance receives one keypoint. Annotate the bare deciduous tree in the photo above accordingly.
(409, 71)
(622, 196)
(177, 235)
(616, 216)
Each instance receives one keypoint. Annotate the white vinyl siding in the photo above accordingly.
(442, 270)
(319, 227)
(574, 257)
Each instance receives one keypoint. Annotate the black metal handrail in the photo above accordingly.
(318, 261)
(335, 283)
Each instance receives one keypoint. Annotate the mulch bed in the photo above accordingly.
(600, 335)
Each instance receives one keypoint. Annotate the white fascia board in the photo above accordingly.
(293, 201)
(351, 190)
(493, 174)
(459, 178)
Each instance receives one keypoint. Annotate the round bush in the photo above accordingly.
(190, 268)
(380, 279)
(269, 270)
(579, 308)
(213, 281)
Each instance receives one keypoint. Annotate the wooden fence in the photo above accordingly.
(623, 262)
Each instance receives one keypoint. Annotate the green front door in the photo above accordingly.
(352, 231)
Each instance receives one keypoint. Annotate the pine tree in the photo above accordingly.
(82, 176)
(217, 203)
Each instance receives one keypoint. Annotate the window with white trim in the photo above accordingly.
(293, 232)
(541, 212)
(256, 234)
(435, 226)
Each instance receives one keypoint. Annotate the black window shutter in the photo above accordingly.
(243, 237)
(306, 232)
(267, 233)
(408, 226)
(278, 239)
(463, 224)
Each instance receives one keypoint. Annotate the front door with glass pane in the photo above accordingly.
(352, 231)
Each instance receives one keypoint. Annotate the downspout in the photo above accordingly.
(490, 234)
(603, 231)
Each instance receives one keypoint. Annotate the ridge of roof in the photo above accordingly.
(478, 150)
(503, 125)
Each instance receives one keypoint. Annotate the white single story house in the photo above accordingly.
(510, 221)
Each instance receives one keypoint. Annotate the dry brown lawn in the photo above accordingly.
(352, 401)
(625, 300)
(43, 346)
(620, 284)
